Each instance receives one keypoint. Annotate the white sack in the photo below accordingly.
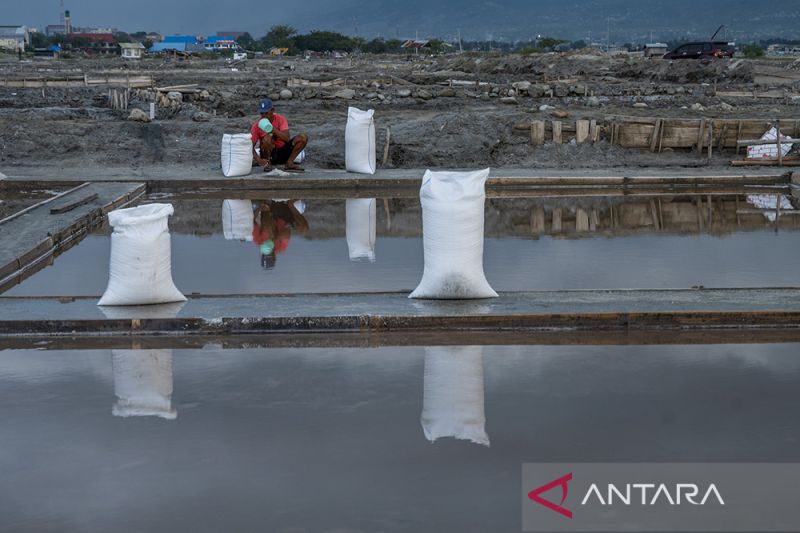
(452, 401)
(770, 150)
(237, 154)
(143, 383)
(237, 220)
(360, 228)
(140, 270)
(359, 141)
(452, 235)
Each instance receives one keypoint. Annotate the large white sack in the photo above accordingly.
(143, 383)
(452, 401)
(452, 235)
(236, 154)
(237, 220)
(359, 141)
(360, 228)
(140, 270)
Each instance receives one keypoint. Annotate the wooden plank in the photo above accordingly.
(557, 131)
(594, 132)
(73, 205)
(581, 130)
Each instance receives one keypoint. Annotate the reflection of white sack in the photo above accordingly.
(129, 312)
(452, 235)
(140, 270)
(360, 228)
(452, 401)
(237, 220)
(359, 141)
(770, 150)
(143, 383)
(236, 154)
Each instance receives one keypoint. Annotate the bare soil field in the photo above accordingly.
(447, 111)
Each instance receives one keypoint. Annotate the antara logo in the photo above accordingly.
(562, 482)
(646, 494)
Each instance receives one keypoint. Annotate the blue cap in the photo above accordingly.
(265, 105)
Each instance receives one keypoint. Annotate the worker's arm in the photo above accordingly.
(282, 134)
(259, 160)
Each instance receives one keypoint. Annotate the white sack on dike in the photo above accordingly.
(236, 154)
(140, 270)
(359, 141)
(452, 235)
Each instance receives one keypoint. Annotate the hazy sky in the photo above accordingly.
(170, 16)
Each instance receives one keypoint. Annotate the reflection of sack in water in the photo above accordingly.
(452, 236)
(360, 228)
(237, 220)
(143, 383)
(452, 402)
(140, 270)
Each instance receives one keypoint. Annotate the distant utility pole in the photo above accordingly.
(460, 48)
(608, 35)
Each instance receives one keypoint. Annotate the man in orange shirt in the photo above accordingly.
(276, 146)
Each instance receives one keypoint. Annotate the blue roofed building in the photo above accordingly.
(186, 39)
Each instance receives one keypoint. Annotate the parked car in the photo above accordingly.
(700, 50)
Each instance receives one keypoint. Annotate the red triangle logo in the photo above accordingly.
(560, 482)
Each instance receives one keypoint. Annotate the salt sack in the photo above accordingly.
(452, 235)
(360, 228)
(237, 220)
(453, 398)
(770, 150)
(236, 154)
(359, 141)
(140, 269)
(143, 383)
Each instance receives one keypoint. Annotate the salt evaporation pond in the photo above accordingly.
(320, 439)
(660, 242)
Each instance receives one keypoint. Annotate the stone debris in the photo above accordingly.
(137, 115)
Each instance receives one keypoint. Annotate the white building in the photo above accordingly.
(14, 37)
(132, 50)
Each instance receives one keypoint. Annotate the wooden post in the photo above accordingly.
(778, 137)
(386, 147)
(738, 136)
(556, 131)
(655, 135)
(700, 137)
(581, 130)
(593, 131)
(537, 132)
(710, 140)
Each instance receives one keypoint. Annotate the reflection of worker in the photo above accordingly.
(273, 222)
(271, 137)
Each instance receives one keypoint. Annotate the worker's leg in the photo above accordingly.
(299, 142)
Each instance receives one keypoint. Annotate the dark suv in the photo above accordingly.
(701, 50)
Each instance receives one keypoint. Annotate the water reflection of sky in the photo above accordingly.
(333, 439)
(214, 265)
